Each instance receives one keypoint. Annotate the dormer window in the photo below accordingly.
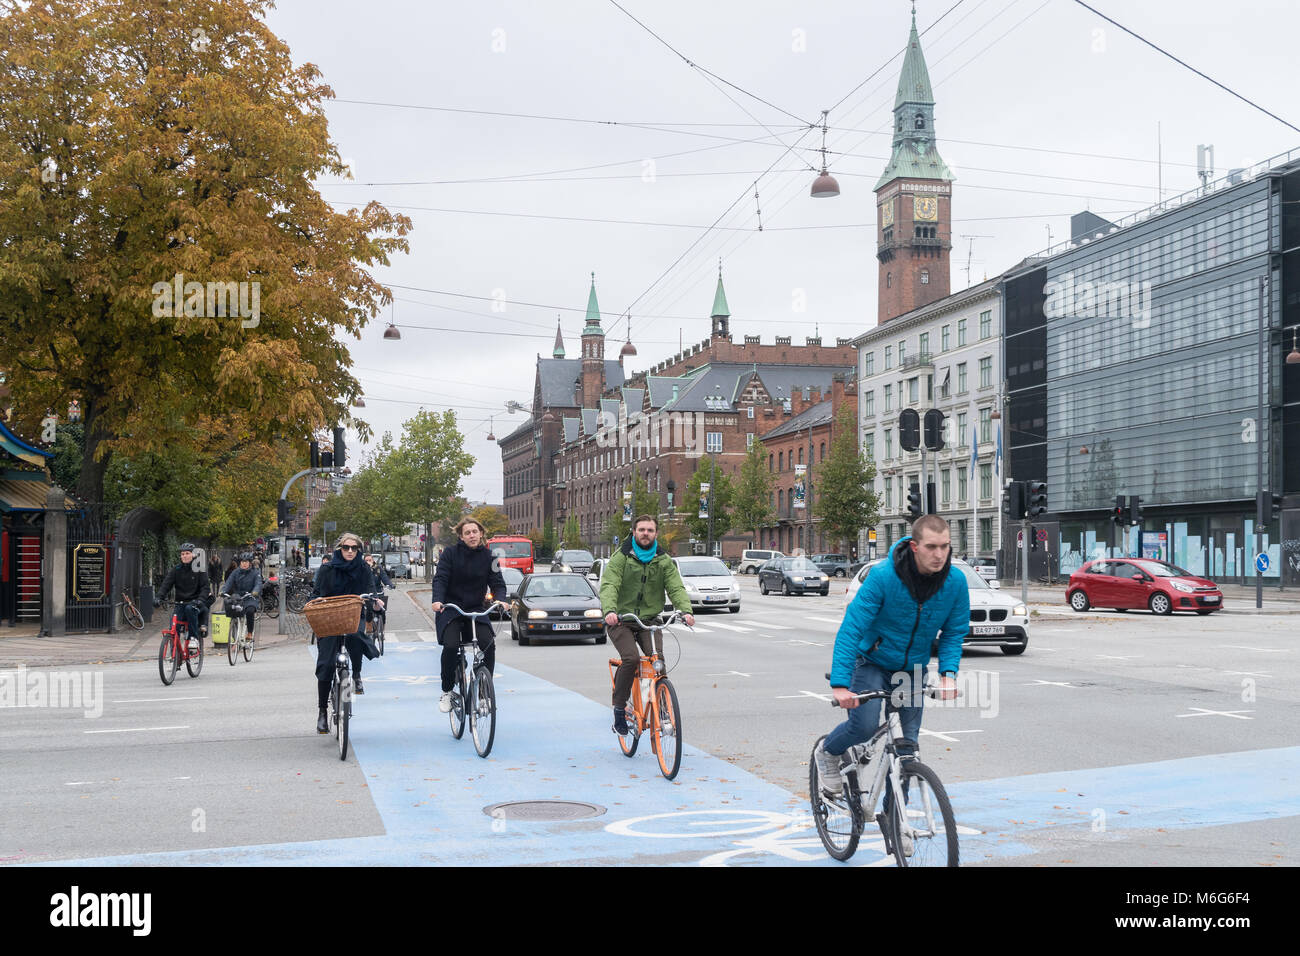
(920, 121)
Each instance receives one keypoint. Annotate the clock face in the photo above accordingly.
(887, 214)
(925, 209)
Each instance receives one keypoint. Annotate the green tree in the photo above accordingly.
(427, 467)
(723, 494)
(152, 143)
(572, 534)
(845, 496)
(754, 492)
(644, 502)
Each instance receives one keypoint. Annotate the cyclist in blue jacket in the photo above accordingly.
(888, 628)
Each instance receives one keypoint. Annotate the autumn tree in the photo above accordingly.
(166, 251)
(493, 520)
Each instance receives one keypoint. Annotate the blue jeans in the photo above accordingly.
(865, 718)
(190, 615)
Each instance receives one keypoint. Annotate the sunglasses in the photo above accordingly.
(349, 547)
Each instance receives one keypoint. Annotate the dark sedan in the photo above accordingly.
(573, 560)
(556, 606)
(792, 576)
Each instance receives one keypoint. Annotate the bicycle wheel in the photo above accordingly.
(379, 633)
(629, 741)
(667, 739)
(232, 640)
(925, 828)
(483, 712)
(345, 716)
(458, 694)
(194, 663)
(839, 820)
(167, 658)
(296, 599)
(131, 614)
(271, 605)
(247, 645)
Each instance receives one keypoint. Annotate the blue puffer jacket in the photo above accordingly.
(885, 625)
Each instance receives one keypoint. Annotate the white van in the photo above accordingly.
(752, 560)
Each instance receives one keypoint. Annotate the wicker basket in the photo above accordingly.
(329, 616)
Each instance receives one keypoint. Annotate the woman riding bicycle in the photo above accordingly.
(244, 580)
(346, 573)
(465, 573)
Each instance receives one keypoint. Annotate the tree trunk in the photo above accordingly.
(90, 486)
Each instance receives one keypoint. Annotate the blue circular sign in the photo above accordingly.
(1261, 562)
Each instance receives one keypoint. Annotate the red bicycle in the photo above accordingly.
(179, 645)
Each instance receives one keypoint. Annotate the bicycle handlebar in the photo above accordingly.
(933, 692)
(475, 614)
(671, 619)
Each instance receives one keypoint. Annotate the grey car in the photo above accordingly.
(709, 584)
(572, 560)
(834, 565)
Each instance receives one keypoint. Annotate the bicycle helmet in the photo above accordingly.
(246, 556)
(187, 547)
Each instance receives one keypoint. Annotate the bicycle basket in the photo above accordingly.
(328, 616)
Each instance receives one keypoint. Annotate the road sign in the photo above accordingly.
(871, 537)
(1042, 534)
(1020, 538)
(1261, 562)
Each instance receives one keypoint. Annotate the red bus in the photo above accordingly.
(514, 551)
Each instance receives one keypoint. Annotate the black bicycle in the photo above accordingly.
(474, 698)
(341, 693)
(377, 615)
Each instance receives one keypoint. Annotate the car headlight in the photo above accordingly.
(1180, 586)
(565, 568)
(1020, 611)
(797, 579)
(535, 615)
(592, 612)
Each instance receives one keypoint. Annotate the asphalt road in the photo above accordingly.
(1116, 739)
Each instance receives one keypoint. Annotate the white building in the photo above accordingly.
(945, 355)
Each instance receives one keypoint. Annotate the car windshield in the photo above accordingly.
(799, 564)
(1163, 569)
(512, 549)
(974, 580)
(559, 585)
(579, 557)
(512, 575)
(707, 568)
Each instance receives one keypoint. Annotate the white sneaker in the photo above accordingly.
(444, 704)
(828, 772)
(909, 844)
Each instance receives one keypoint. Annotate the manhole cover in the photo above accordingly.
(543, 810)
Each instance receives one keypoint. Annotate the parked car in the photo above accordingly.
(556, 606)
(834, 565)
(514, 578)
(752, 560)
(572, 560)
(397, 565)
(1157, 586)
(709, 584)
(792, 576)
(996, 619)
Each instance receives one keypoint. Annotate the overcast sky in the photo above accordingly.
(1043, 109)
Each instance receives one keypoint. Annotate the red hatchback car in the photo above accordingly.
(1141, 583)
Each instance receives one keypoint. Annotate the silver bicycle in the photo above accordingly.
(916, 820)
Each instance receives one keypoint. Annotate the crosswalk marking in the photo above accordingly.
(825, 620)
(777, 627)
(732, 627)
(426, 635)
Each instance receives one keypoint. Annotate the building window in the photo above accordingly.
(801, 454)
(713, 441)
(771, 461)
(944, 339)
(889, 444)
(986, 534)
(869, 445)
(961, 378)
(963, 547)
(986, 426)
(889, 357)
(889, 493)
(822, 452)
(750, 410)
(889, 279)
(780, 500)
(962, 434)
(749, 439)
(986, 372)
(924, 345)
(780, 461)
(869, 403)
(986, 482)
(889, 400)
(961, 332)
(913, 390)
(961, 486)
(869, 364)
(945, 485)
(986, 324)
(925, 277)
(902, 353)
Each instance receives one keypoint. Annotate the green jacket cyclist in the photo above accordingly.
(635, 582)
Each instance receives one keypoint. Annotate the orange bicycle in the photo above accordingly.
(659, 712)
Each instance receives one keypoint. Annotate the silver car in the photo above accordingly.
(709, 584)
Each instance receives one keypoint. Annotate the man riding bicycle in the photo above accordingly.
(634, 582)
(467, 571)
(887, 631)
(245, 579)
(191, 588)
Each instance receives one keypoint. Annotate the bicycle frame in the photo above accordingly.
(181, 648)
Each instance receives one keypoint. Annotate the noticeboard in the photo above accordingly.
(90, 572)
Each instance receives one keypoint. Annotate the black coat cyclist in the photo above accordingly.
(346, 573)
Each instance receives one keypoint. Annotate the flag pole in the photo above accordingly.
(974, 496)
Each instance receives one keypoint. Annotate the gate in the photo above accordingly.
(90, 563)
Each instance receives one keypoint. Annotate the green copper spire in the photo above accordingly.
(720, 308)
(593, 312)
(915, 154)
(558, 351)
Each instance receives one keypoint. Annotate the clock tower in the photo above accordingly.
(913, 199)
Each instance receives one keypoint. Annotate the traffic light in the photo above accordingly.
(340, 449)
(909, 429)
(1117, 515)
(1033, 539)
(934, 429)
(1013, 500)
(284, 510)
(914, 502)
(1035, 498)
(314, 454)
(1134, 509)
(1269, 505)
(931, 499)
(327, 459)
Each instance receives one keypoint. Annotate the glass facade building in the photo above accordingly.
(1133, 368)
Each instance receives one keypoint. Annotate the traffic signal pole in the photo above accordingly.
(1024, 561)
(284, 543)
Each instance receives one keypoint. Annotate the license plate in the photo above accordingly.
(567, 627)
(708, 598)
(1210, 600)
(987, 629)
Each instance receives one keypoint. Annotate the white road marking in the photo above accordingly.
(1118, 657)
(826, 620)
(729, 673)
(1202, 712)
(943, 735)
(1248, 673)
(802, 694)
(810, 643)
(427, 635)
(699, 630)
(732, 627)
(136, 730)
(778, 627)
(155, 700)
(82, 783)
(1051, 683)
(1273, 650)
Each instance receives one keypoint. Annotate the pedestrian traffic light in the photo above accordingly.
(934, 429)
(909, 429)
(314, 454)
(1035, 499)
(914, 502)
(1134, 509)
(1013, 500)
(340, 448)
(1121, 507)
